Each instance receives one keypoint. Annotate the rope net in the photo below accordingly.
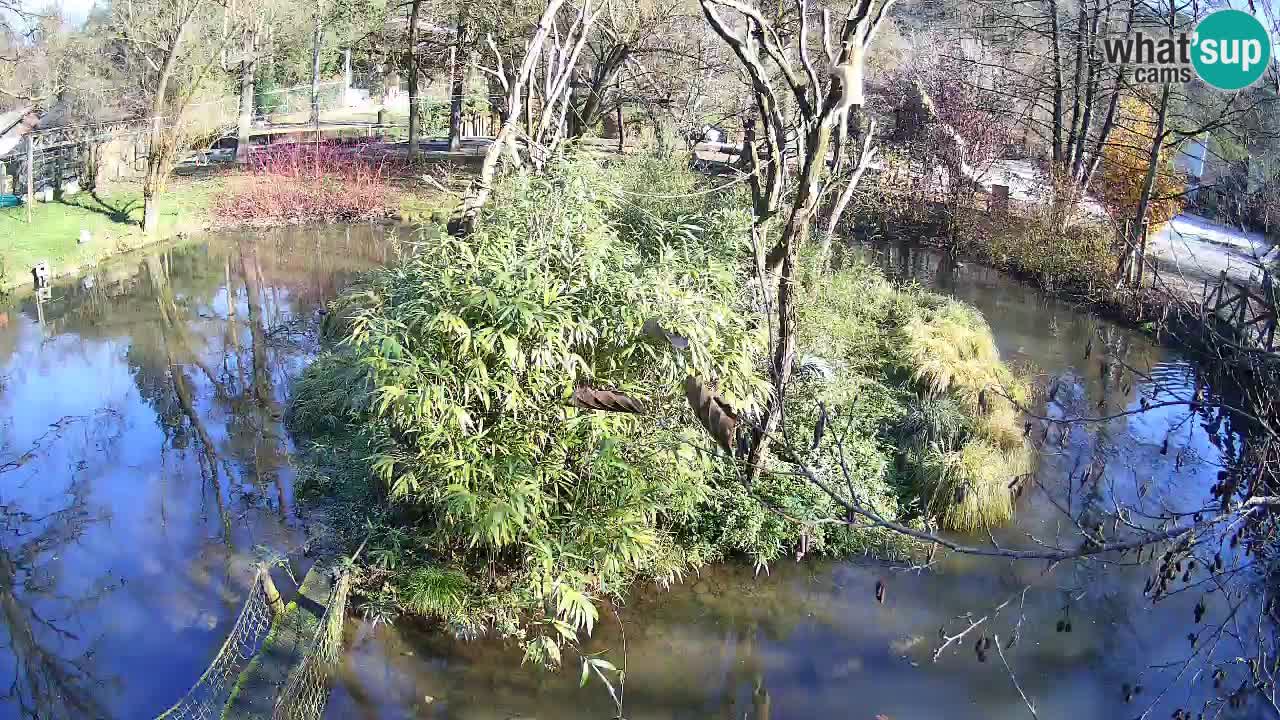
(206, 699)
(305, 695)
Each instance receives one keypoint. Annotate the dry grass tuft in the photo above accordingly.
(950, 352)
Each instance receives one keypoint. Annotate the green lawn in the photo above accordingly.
(112, 215)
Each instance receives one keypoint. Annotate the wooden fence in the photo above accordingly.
(1249, 312)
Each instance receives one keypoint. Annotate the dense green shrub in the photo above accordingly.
(1080, 259)
(444, 427)
(458, 369)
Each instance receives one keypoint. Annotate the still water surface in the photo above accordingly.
(140, 420)
(140, 417)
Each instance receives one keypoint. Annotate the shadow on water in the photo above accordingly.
(809, 641)
(143, 460)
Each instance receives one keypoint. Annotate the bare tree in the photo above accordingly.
(170, 46)
(818, 111)
(554, 51)
(639, 35)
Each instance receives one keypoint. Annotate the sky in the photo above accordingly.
(75, 11)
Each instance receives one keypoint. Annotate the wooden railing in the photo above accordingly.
(1250, 312)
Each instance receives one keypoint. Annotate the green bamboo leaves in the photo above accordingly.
(507, 387)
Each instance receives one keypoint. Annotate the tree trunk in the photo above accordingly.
(315, 74)
(1090, 98)
(457, 84)
(1073, 132)
(413, 79)
(1139, 238)
(157, 152)
(248, 67)
(457, 89)
(1056, 56)
(794, 235)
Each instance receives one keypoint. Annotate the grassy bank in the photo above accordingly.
(446, 429)
(113, 217)
(338, 190)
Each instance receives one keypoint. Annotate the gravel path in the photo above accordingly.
(1198, 249)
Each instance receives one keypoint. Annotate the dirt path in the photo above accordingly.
(1193, 250)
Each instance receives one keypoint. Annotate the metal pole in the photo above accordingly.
(31, 159)
(453, 74)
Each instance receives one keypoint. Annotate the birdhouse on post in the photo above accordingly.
(40, 275)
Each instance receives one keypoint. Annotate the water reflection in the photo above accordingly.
(54, 669)
(809, 640)
(143, 461)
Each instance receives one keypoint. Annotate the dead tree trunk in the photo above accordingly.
(413, 79)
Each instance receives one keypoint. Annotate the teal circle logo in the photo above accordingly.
(1232, 49)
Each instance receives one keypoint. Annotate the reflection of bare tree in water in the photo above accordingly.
(173, 396)
(266, 443)
(745, 670)
(48, 682)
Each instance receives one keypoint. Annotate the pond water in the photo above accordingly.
(144, 467)
(808, 640)
(143, 461)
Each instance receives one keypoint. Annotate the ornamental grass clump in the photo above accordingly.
(921, 382)
(965, 480)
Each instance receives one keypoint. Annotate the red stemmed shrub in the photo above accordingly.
(314, 182)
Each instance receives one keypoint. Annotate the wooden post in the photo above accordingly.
(31, 161)
(999, 202)
(269, 589)
(621, 133)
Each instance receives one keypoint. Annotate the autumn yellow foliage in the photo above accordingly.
(1124, 167)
